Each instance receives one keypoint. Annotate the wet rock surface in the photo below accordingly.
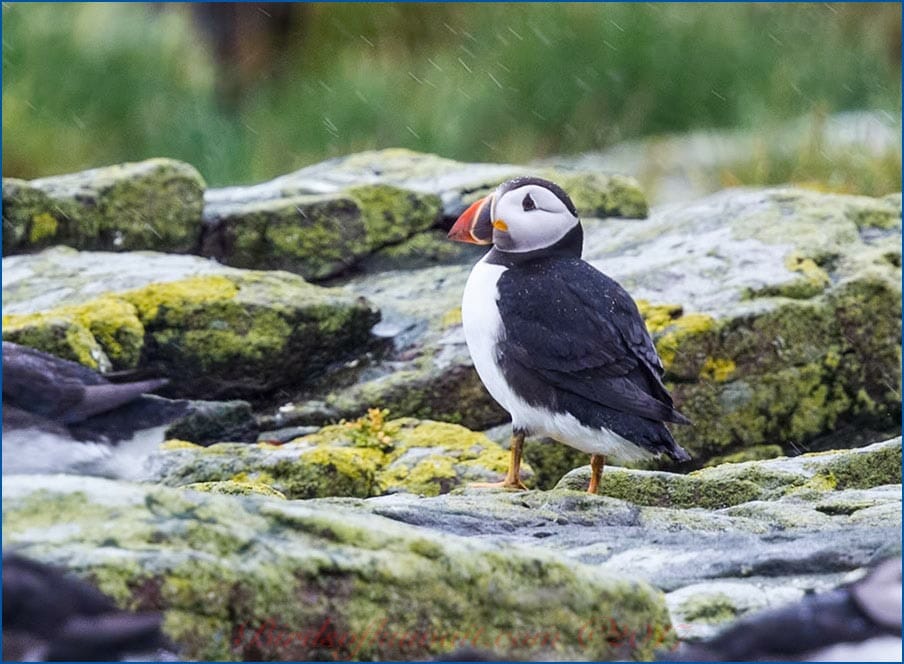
(153, 204)
(317, 580)
(776, 312)
(549, 560)
(218, 333)
(367, 457)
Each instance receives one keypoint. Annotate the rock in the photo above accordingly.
(735, 483)
(804, 525)
(323, 220)
(682, 167)
(153, 204)
(777, 313)
(457, 184)
(261, 578)
(317, 236)
(367, 457)
(222, 333)
(209, 422)
(861, 620)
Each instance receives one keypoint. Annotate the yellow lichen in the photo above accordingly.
(451, 318)
(659, 316)
(678, 331)
(43, 226)
(176, 444)
(718, 369)
(177, 294)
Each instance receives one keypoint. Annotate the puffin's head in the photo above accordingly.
(524, 214)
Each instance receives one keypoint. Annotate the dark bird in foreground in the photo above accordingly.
(51, 616)
(860, 621)
(60, 392)
(59, 415)
(561, 346)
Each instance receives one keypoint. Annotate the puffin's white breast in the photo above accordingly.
(483, 329)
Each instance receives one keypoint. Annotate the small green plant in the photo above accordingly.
(372, 430)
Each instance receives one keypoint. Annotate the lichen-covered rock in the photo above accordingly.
(260, 578)
(153, 204)
(777, 314)
(316, 236)
(367, 457)
(208, 422)
(735, 483)
(457, 184)
(231, 333)
(799, 528)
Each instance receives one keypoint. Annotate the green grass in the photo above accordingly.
(90, 84)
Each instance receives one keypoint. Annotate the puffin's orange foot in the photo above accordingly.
(597, 462)
(508, 485)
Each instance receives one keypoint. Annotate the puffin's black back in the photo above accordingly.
(575, 342)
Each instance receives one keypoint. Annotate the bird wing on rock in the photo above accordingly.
(588, 338)
(58, 389)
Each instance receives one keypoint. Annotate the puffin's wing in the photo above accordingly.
(59, 389)
(575, 328)
(40, 383)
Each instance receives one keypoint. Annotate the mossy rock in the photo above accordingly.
(368, 457)
(153, 204)
(456, 183)
(239, 334)
(317, 236)
(808, 476)
(222, 567)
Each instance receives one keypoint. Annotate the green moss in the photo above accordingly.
(321, 236)
(391, 214)
(115, 327)
(236, 488)
(597, 195)
(455, 395)
(328, 471)
(713, 609)
(658, 489)
(154, 204)
(862, 471)
(801, 370)
(43, 226)
(58, 334)
(451, 318)
(460, 456)
(159, 301)
(753, 453)
(176, 444)
(659, 316)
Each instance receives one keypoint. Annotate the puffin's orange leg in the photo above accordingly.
(597, 461)
(513, 476)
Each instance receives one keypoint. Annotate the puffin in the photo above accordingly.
(60, 416)
(49, 615)
(558, 344)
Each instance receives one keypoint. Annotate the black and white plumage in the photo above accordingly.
(561, 346)
(59, 416)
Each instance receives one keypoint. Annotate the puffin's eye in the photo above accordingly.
(528, 203)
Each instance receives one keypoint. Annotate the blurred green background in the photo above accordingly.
(249, 92)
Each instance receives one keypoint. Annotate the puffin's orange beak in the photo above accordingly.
(474, 224)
